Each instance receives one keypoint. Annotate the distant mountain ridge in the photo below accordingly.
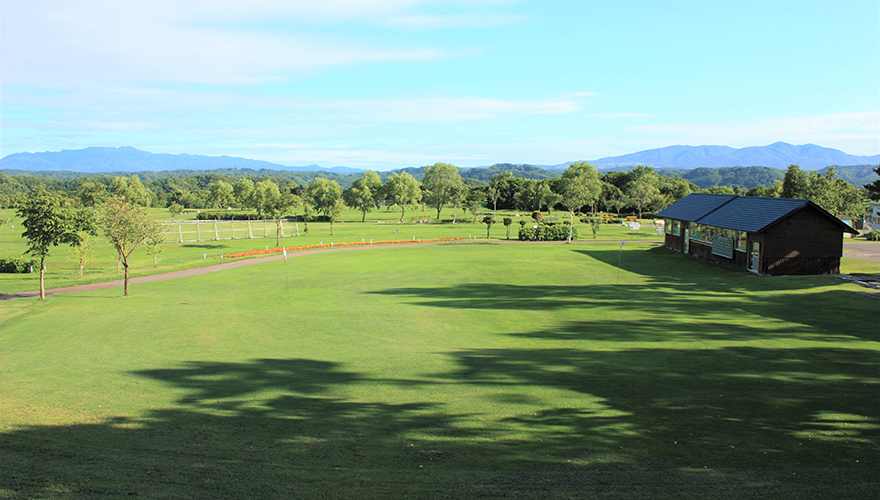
(128, 159)
(776, 155)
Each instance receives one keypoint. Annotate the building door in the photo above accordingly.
(755, 257)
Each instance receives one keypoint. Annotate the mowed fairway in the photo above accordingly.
(452, 371)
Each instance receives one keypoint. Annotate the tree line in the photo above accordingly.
(639, 191)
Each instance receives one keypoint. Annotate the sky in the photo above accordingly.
(386, 84)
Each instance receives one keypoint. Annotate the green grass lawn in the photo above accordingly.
(460, 371)
(381, 225)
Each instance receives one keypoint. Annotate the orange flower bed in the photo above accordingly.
(333, 245)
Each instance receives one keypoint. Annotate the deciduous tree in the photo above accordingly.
(326, 196)
(363, 193)
(403, 190)
(126, 225)
(49, 220)
(580, 186)
(441, 181)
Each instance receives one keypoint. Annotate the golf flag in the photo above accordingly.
(621, 244)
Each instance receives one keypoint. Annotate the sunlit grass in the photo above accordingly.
(494, 370)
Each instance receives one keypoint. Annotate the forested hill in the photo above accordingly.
(745, 177)
(485, 174)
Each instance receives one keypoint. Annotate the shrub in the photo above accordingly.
(16, 265)
(873, 235)
(547, 232)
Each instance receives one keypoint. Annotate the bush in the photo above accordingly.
(16, 265)
(547, 232)
(873, 235)
(246, 216)
(227, 216)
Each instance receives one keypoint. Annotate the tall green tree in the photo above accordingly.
(835, 194)
(580, 186)
(242, 190)
(796, 183)
(326, 196)
(49, 220)
(642, 190)
(126, 225)
(403, 190)
(441, 181)
(363, 194)
(264, 196)
(132, 190)
(283, 205)
(222, 194)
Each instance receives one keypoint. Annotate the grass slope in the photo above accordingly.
(382, 225)
(479, 371)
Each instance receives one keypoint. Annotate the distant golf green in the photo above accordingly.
(459, 371)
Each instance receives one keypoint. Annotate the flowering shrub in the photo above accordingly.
(334, 245)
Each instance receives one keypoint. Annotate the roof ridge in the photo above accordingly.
(710, 212)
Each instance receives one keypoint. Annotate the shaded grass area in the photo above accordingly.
(447, 372)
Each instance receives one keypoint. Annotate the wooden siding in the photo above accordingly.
(803, 243)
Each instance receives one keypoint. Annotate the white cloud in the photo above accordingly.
(622, 115)
(53, 44)
(111, 103)
(472, 20)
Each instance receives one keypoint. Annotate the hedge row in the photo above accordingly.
(228, 216)
(547, 232)
(16, 265)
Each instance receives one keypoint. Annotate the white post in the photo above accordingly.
(250, 231)
(180, 232)
(216, 233)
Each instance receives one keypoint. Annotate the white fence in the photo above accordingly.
(208, 230)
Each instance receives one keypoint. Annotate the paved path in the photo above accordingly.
(866, 250)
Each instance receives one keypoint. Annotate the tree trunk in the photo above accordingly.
(570, 224)
(155, 260)
(42, 283)
(331, 227)
(125, 283)
(80, 270)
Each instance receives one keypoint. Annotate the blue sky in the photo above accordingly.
(386, 84)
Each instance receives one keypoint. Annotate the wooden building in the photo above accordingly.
(763, 235)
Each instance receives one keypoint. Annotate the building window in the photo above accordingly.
(667, 224)
(741, 238)
(676, 228)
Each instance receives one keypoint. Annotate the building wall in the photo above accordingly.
(806, 242)
(803, 243)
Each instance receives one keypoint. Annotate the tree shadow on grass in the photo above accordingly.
(670, 302)
(726, 423)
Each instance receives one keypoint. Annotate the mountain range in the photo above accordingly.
(129, 159)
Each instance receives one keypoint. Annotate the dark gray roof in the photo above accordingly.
(740, 213)
(694, 206)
